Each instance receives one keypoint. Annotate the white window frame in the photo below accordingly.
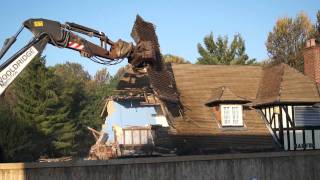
(231, 122)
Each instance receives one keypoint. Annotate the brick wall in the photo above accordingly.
(311, 57)
(217, 113)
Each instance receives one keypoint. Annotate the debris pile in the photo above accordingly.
(101, 150)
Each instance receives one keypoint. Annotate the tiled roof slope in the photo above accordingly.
(283, 84)
(270, 85)
(162, 82)
(195, 84)
(297, 87)
(224, 95)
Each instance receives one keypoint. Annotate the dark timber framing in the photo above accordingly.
(281, 120)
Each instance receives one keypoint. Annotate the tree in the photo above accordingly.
(169, 58)
(72, 82)
(94, 102)
(71, 70)
(42, 105)
(102, 77)
(46, 111)
(220, 52)
(287, 40)
(84, 97)
(19, 141)
(317, 28)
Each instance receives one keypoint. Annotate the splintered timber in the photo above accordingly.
(14, 69)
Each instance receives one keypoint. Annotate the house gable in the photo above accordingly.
(185, 90)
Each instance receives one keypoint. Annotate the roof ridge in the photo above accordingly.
(281, 81)
(239, 65)
(220, 90)
(260, 83)
(223, 90)
(233, 93)
(318, 88)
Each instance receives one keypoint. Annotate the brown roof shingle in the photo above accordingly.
(196, 84)
(186, 88)
(224, 95)
(283, 84)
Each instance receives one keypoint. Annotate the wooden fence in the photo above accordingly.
(251, 166)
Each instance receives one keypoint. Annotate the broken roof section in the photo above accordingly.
(183, 91)
(224, 95)
(161, 80)
(131, 79)
(134, 88)
(144, 31)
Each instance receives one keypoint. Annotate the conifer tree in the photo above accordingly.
(220, 52)
(47, 111)
(317, 28)
(19, 140)
(78, 91)
(39, 103)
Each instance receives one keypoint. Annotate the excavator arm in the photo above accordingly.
(65, 36)
(11, 68)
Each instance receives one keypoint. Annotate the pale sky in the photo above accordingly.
(181, 24)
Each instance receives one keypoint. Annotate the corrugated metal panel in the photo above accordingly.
(306, 116)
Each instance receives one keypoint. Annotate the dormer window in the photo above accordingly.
(231, 115)
(227, 107)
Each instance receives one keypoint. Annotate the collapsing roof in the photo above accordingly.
(133, 80)
(186, 93)
(158, 72)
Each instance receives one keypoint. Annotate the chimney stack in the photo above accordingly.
(311, 56)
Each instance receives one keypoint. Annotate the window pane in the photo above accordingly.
(128, 137)
(226, 115)
(306, 116)
(235, 115)
(149, 137)
(232, 115)
(120, 138)
(136, 137)
(144, 137)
